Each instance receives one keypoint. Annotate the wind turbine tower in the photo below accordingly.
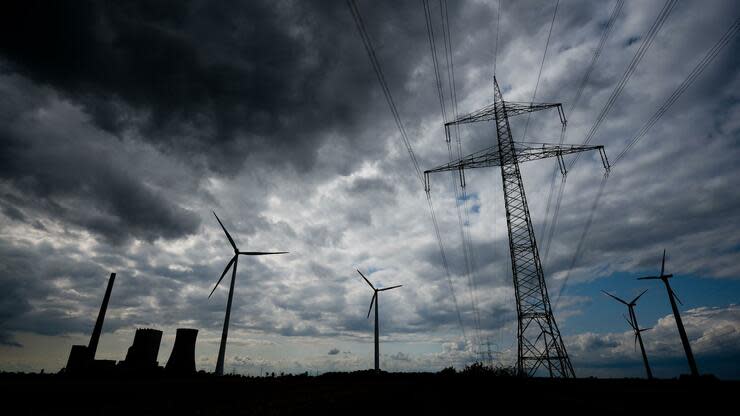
(632, 321)
(676, 314)
(374, 302)
(538, 337)
(234, 261)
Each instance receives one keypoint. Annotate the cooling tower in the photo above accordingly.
(182, 359)
(143, 354)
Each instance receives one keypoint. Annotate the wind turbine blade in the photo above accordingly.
(389, 288)
(638, 297)
(662, 265)
(363, 276)
(629, 321)
(635, 341)
(231, 240)
(676, 296)
(372, 302)
(648, 278)
(618, 299)
(228, 266)
(646, 329)
(261, 253)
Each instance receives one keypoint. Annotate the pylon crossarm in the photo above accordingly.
(534, 151)
(488, 113)
(525, 152)
(516, 108)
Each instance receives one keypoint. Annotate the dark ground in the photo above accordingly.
(353, 393)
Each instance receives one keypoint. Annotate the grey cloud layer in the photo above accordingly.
(123, 125)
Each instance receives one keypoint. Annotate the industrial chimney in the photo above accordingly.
(78, 360)
(143, 353)
(182, 359)
(93, 346)
(81, 357)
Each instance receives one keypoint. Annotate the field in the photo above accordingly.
(359, 392)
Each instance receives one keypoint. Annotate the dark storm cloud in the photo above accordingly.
(218, 85)
(12, 212)
(207, 80)
(30, 274)
(54, 169)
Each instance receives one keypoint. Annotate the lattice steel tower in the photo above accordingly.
(539, 343)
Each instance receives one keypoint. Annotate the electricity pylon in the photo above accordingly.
(538, 336)
(486, 356)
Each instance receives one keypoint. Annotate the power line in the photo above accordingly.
(440, 95)
(582, 239)
(526, 124)
(464, 232)
(383, 84)
(693, 75)
(549, 202)
(551, 226)
(647, 41)
(446, 266)
(357, 17)
(552, 223)
(604, 36)
(435, 61)
(542, 64)
(698, 69)
(644, 46)
(703, 63)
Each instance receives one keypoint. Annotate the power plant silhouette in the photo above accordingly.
(141, 355)
(82, 357)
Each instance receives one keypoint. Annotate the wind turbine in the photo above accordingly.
(632, 321)
(374, 301)
(679, 323)
(234, 260)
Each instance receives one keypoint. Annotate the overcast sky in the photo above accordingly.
(124, 124)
